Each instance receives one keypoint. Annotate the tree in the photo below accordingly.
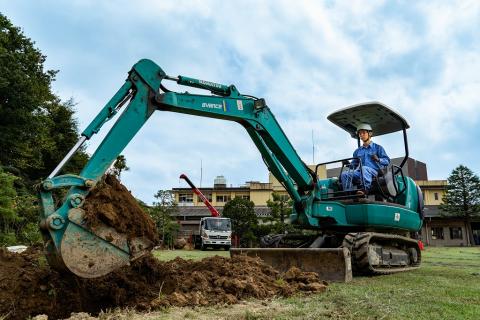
(8, 215)
(280, 209)
(462, 197)
(18, 213)
(36, 128)
(161, 213)
(118, 166)
(244, 219)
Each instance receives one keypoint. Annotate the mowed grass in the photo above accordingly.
(447, 286)
(166, 255)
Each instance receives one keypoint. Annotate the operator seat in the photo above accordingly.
(384, 183)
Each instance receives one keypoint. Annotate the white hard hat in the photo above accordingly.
(364, 126)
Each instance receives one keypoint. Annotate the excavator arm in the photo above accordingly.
(72, 245)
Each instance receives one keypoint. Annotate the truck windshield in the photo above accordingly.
(217, 224)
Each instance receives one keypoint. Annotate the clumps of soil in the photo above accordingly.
(111, 203)
(29, 287)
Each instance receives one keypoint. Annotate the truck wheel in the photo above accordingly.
(203, 247)
(226, 248)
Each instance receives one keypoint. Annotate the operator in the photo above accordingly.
(373, 158)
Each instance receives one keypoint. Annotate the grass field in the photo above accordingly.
(165, 255)
(447, 286)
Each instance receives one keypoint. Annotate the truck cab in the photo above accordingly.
(214, 232)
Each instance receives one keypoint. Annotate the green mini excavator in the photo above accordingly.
(368, 233)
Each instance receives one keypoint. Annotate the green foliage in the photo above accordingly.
(8, 238)
(244, 219)
(18, 214)
(8, 214)
(27, 228)
(36, 128)
(7, 200)
(118, 166)
(280, 209)
(161, 212)
(462, 196)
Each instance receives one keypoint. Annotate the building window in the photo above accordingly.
(435, 195)
(208, 196)
(223, 198)
(244, 197)
(185, 197)
(456, 233)
(437, 233)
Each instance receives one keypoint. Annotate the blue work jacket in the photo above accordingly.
(365, 154)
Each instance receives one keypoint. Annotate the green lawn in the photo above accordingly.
(447, 286)
(166, 255)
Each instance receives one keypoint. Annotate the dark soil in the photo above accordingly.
(29, 287)
(110, 202)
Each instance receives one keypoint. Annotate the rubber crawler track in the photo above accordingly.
(358, 244)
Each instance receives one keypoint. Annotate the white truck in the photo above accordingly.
(214, 232)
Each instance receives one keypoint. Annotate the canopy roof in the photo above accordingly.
(382, 119)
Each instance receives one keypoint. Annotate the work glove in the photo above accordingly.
(375, 158)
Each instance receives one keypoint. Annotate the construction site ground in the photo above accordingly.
(211, 285)
(446, 286)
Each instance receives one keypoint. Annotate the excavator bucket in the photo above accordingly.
(331, 264)
(99, 229)
(94, 252)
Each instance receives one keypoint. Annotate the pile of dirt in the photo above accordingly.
(29, 287)
(110, 202)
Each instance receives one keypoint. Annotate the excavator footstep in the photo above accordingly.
(331, 264)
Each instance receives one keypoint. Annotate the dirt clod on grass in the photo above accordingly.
(29, 287)
(110, 202)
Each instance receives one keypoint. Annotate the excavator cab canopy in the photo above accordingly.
(382, 119)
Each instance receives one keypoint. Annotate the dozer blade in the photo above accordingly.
(94, 252)
(331, 264)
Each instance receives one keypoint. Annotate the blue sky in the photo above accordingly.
(306, 58)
